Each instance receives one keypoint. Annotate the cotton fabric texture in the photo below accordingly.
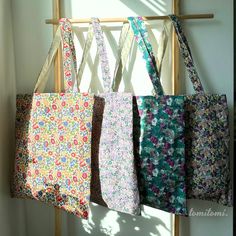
(53, 138)
(206, 136)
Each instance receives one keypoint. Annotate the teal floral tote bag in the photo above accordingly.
(159, 138)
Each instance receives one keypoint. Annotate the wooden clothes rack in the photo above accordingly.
(175, 71)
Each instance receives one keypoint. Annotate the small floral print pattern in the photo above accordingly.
(207, 148)
(119, 184)
(159, 138)
(141, 37)
(69, 54)
(53, 133)
(207, 136)
(112, 137)
(53, 143)
(159, 148)
(106, 76)
(186, 53)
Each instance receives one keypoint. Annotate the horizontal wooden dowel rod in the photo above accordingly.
(125, 19)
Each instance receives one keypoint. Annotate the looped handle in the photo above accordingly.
(124, 46)
(186, 53)
(63, 34)
(69, 54)
(106, 76)
(44, 73)
(141, 37)
(85, 54)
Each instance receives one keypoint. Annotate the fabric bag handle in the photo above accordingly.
(124, 50)
(86, 49)
(141, 37)
(187, 55)
(106, 76)
(125, 42)
(165, 34)
(63, 34)
(124, 46)
(69, 54)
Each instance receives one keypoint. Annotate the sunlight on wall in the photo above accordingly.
(155, 6)
(88, 225)
(109, 225)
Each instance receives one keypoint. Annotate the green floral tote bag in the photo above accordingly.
(53, 138)
(158, 137)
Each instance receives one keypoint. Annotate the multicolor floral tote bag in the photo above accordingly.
(206, 136)
(53, 138)
(114, 179)
(158, 136)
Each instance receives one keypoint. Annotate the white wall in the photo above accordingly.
(11, 211)
(212, 47)
(212, 44)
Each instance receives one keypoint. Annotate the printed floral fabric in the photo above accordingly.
(53, 147)
(113, 144)
(141, 37)
(159, 130)
(159, 138)
(118, 174)
(207, 148)
(207, 137)
(53, 133)
(69, 53)
(186, 53)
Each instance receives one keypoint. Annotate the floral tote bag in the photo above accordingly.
(158, 136)
(53, 138)
(114, 178)
(206, 136)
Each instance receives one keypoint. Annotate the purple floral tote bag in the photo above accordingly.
(118, 176)
(53, 138)
(114, 178)
(158, 135)
(206, 136)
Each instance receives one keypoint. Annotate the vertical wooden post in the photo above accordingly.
(175, 86)
(58, 58)
(175, 52)
(57, 88)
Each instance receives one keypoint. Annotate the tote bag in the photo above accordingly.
(114, 178)
(206, 135)
(158, 136)
(53, 138)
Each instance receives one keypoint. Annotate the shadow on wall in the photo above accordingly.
(148, 7)
(107, 222)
